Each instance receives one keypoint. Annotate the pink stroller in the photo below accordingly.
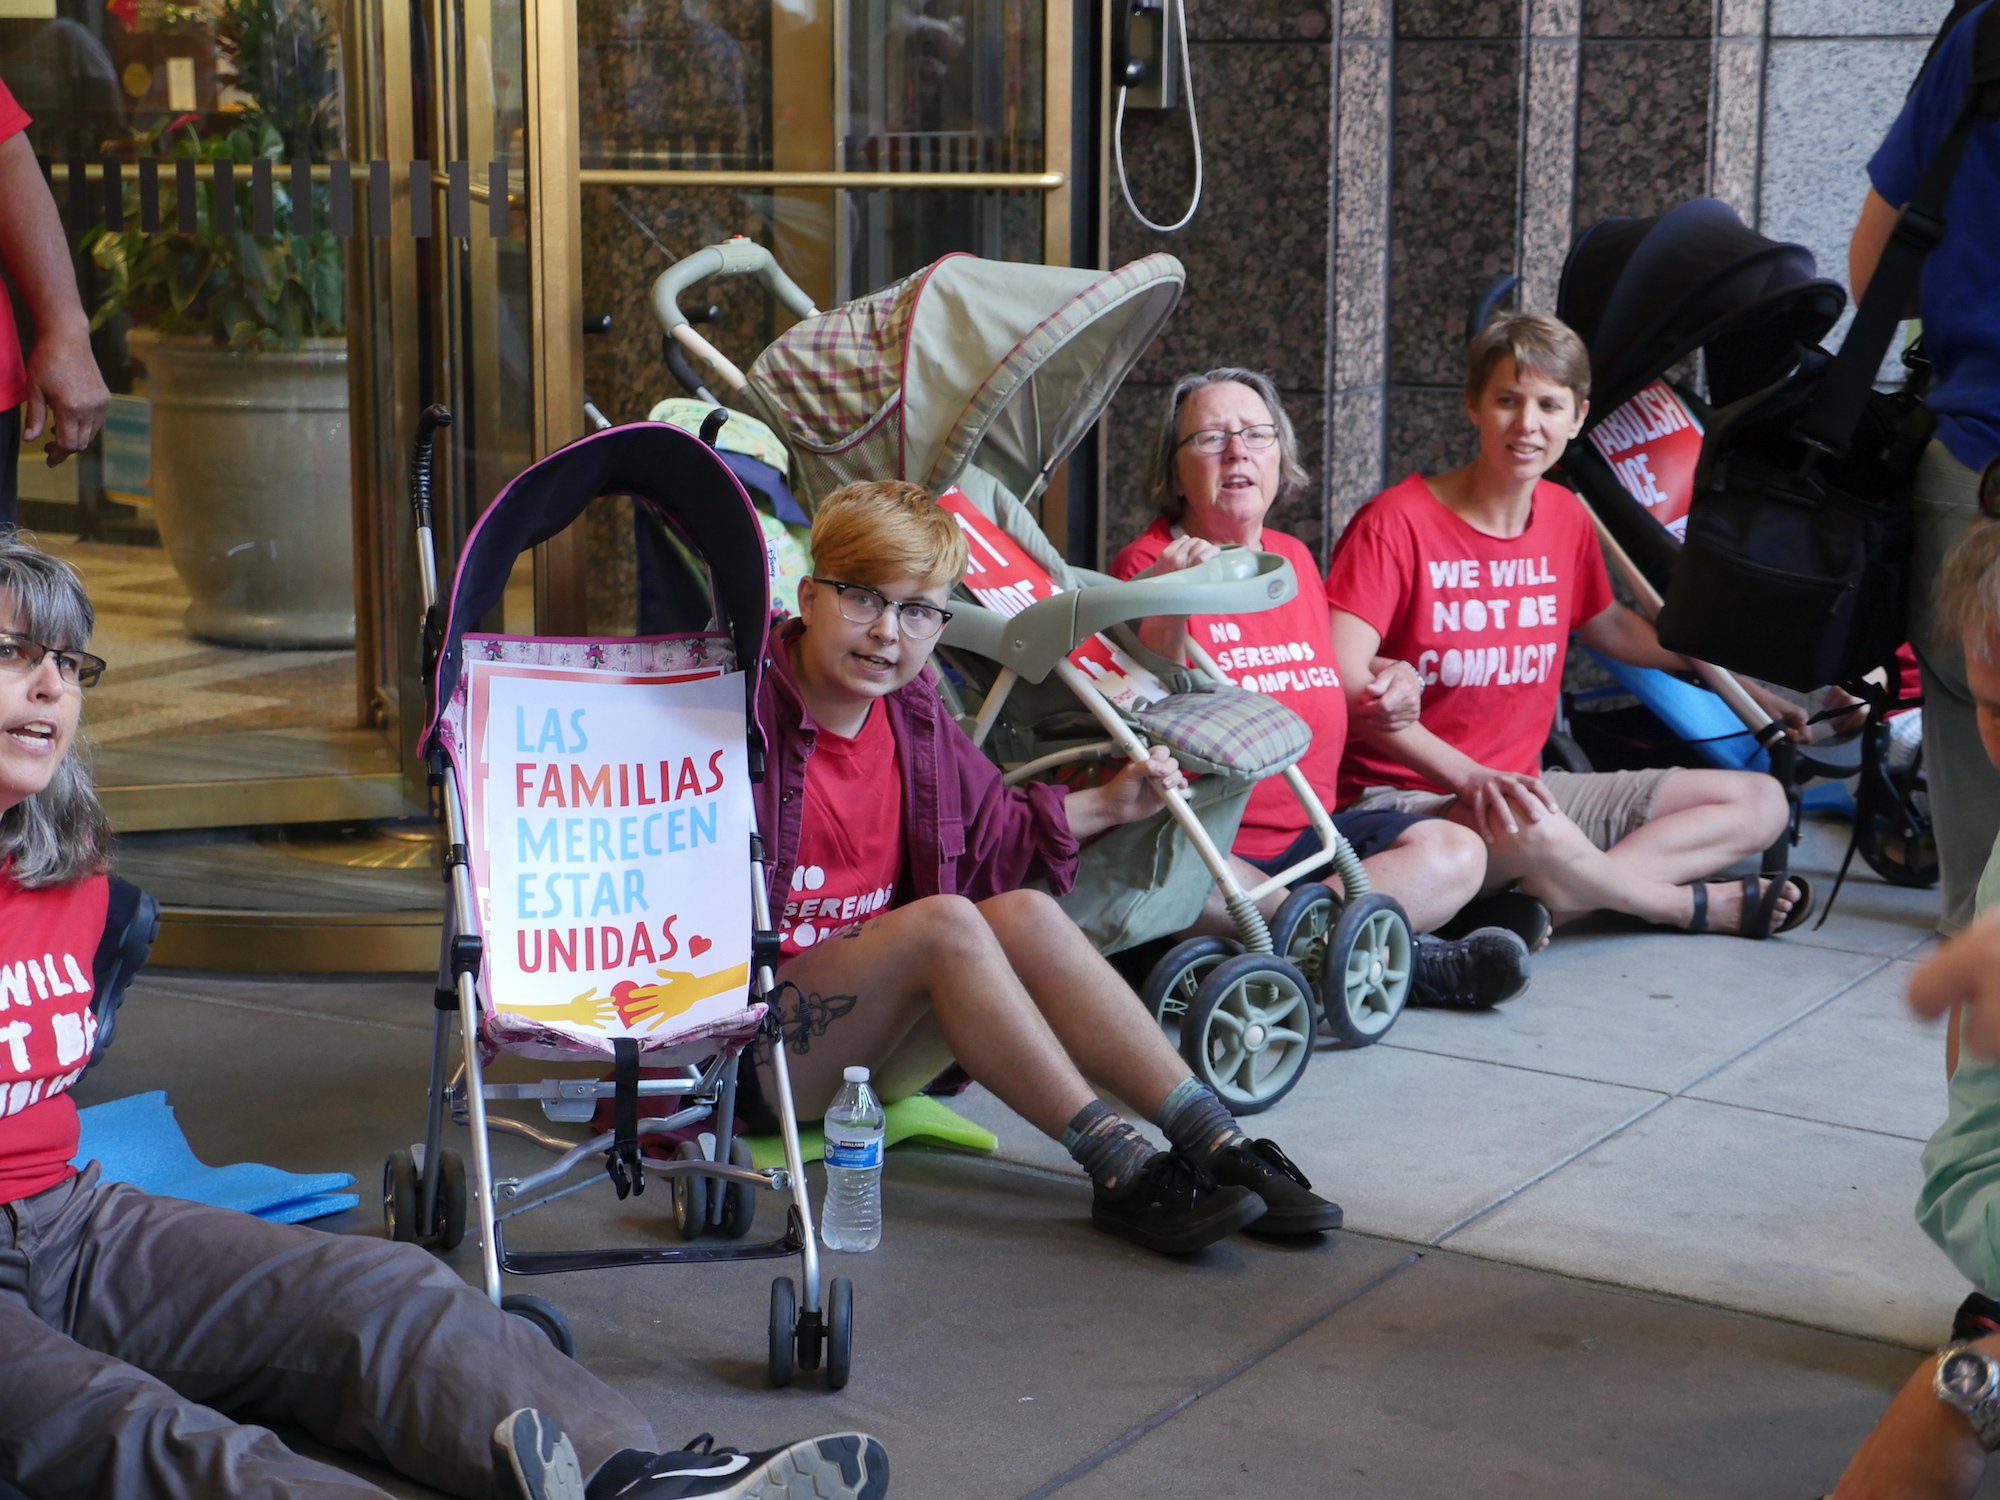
(607, 891)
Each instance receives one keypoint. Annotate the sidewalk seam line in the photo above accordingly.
(1243, 1366)
(1666, 1099)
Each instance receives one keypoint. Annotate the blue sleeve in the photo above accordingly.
(1927, 114)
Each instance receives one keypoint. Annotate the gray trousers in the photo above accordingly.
(142, 1339)
(1964, 786)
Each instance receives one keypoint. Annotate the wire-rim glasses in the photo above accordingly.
(861, 605)
(1214, 440)
(19, 656)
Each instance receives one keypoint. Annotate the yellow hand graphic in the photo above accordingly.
(588, 1009)
(649, 1006)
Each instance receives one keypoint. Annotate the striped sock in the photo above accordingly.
(1106, 1146)
(1195, 1121)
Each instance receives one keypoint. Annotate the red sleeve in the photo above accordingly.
(13, 118)
(1592, 595)
(1371, 570)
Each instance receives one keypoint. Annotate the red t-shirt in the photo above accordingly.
(1286, 652)
(850, 835)
(13, 373)
(47, 941)
(1483, 618)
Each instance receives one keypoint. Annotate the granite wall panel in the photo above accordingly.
(1548, 169)
(1361, 185)
(1458, 18)
(1735, 137)
(1428, 431)
(1648, 18)
(1457, 161)
(1857, 17)
(1642, 134)
(1259, 20)
(1555, 18)
(1256, 253)
(1364, 18)
(1357, 449)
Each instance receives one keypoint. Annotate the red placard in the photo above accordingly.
(1652, 443)
(1005, 579)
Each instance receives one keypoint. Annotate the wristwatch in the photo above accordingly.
(1969, 1381)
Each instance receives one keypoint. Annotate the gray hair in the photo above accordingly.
(60, 834)
(1968, 599)
(1162, 486)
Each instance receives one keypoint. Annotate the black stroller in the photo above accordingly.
(1648, 296)
(542, 999)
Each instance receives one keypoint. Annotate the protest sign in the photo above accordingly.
(610, 832)
(1004, 578)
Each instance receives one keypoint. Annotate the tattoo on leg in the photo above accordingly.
(815, 1013)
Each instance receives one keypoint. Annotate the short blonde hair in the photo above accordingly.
(1534, 341)
(879, 529)
(1968, 602)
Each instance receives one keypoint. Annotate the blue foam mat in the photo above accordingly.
(138, 1140)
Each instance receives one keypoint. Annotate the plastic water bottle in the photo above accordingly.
(851, 1217)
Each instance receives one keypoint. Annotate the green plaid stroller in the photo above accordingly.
(977, 379)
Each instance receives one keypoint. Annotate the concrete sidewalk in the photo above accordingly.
(1643, 1232)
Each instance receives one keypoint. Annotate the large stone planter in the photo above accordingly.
(251, 488)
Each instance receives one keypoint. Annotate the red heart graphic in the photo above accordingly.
(698, 946)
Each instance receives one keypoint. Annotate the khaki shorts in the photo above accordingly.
(1607, 805)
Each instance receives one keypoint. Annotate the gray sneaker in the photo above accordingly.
(1475, 972)
(533, 1459)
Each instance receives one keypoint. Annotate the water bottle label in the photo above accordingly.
(861, 1155)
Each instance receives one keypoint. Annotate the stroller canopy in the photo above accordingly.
(966, 360)
(1643, 294)
(674, 472)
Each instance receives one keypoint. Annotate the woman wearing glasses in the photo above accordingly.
(897, 859)
(1226, 454)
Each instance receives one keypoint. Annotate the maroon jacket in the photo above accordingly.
(965, 833)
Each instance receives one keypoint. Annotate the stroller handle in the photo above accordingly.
(733, 257)
(1239, 582)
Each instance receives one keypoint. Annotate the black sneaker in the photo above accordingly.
(1175, 1208)
(839, 1466)
(1476, 972)
(533, 1459)
(1978, 1317)
(1290, 1206)
(1517, 911)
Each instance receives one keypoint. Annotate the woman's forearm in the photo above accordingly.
(1165, 635)
(33, 247)
(1422, 751)
(1090, 812)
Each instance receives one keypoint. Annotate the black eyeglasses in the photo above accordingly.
(1213, 440)
(20, 656)
(861, 605)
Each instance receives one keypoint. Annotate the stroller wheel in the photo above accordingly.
(1249, 1033)
(690, 1195)
(1177, 978)
(839, 1331)
(399, 1198)
(546, 1319)
(784, 1313)
(1300, 928)
(739, 1201)
(1366, 975)
(450, 1222)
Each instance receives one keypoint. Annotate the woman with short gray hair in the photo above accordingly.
(1226, 455)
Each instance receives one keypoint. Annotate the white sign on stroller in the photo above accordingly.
(610, 819)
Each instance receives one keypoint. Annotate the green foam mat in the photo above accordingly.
(917, 1118)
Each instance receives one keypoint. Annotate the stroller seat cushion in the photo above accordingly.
(1229, 728)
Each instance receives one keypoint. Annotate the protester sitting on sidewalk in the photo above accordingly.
(876, 802)
(1226, 455)
(1477, 577)
(146, 1342)
(1931, 1444)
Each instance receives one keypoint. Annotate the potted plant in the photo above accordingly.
(242, 339)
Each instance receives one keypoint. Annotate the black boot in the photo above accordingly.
(1174, 1207)
(1476, 972)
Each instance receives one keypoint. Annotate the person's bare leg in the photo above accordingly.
(1093, 1012)
(1432, 870)
(934, 964)
(1557, 865)
(1704, 821)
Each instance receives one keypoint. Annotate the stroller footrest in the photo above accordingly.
(551, 1262)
